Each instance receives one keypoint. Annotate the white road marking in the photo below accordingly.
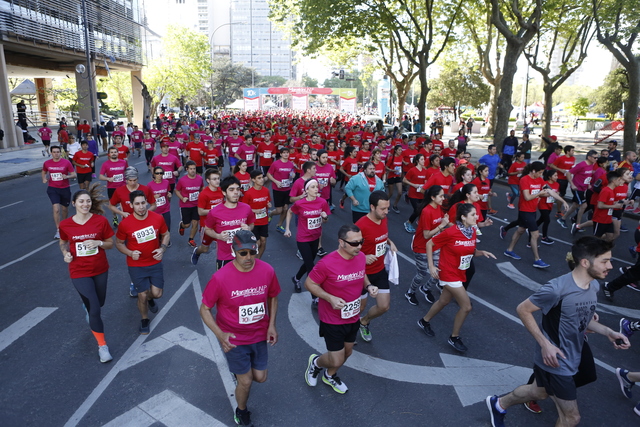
(168, 409)
(28, 255)
(6, 206)
(472, 379)
(22, 326)
(123, 363)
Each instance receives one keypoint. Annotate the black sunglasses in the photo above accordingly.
(247, 252)
(158, 173)
(354, 244)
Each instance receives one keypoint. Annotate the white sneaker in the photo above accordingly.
(103, 352)
(57, 235)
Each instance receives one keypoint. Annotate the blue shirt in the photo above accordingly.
(492, 162)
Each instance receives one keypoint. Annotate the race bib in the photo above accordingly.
(56, 176)
(587, 180)
(232, 233)
(145, 235)
(285, 183)
(161, 201)
(549, 199)
(381, 248)
(350, 309)
(266, 155)
(147, 146)
(398, 170)
(251, 313)
(245, 187)
(354, 168)
(249, 157)
(322, 182)
(534, 192)
(313, 223)
(193, 197)
(465, 262)
(83, 250)
(610, 212)
(118, 178)
(167, 175)
(262, 213)
(485, 197)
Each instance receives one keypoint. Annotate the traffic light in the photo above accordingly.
(341, 75)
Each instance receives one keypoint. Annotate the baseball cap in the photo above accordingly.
(131, 173)
(244, 239)
(553, 138)
(411, 142)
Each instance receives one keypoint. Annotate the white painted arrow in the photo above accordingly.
(22, 326)
(166, 408)
(472, 379)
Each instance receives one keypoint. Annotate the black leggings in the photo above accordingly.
(93, 291)
(545, 219)
(512, 224)
(470, 272)
(308, 250)
(631, 275)
(415, 214)
(167, 219)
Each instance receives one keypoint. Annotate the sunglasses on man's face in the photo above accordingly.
(354, 244)
(246, 252)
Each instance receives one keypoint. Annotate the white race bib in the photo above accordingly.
(534, 192)
(232, 233)
(313, 223)
(285, 183)
(249, 157)
(262, 213)
(381, 248)
(55, 176)
(193, 197)
(147, 146)
(145, 235)
(245, 187)
(485, 197)
(465, 262)
(161, 201)
(82, 250)
(350, 309)
(550, 199)
(118, 178)
(354, 168)
(251, 313)
(398, 170)
(167, 175)
(266, 155)
(610, 212)
(322, 182)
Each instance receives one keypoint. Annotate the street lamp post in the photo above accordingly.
(87, 48)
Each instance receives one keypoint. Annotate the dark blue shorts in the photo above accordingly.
(143, 277)
(243, 358)
(59, 196)
(527, 220)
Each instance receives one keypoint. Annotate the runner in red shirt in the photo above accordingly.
(338, 280)
(84, 161)
(240, 172)
(245, 293)
(375, 233)
(121, 195)
(457, 247)
(210, 197)
(408, 156)
(515, 172)
(607, 203)
(463, 177)
(415, 178)
(376, 159)
(266, 153)
(143, 237)
(364, 154)
(348, 168)
(211, 155)
(259, 200)
(187, 191)
(123, 150)
(194, 151)
(483, 184)
(58, 189)
(83, 239)
(444, 178)
(545, 206)
(451, 150)
(394, 176)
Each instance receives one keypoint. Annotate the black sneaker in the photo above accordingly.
(322, 252)
(144, 327)
(607, 293)
(427, 295)
(547, 240)
(426, 327)
(243, 418)
(411, 297)
(153, 307)
(456, 343)
(296, 284)
(395, 209)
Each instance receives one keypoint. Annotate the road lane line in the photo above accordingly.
(123, 363)
(28, 255)
(6, 206)
(22, 326)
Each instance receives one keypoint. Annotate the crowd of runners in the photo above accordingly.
(239, 176)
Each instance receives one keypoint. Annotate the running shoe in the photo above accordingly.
(103, 352)
(335, 383)
(439, 286)
(456, 343)
(629, 208)
(322, 252)
(341, 203)
(331, 209)
(311, 374)
(492, 211)
(298, 254)
(540, 264)
(478, 232)
(632, 252)
(192, 243)
(426, 327)
(511, 206)
(132, 291)
(181, 229)
(57, 235)
(636, 211)
(533, 406)
(365, 333)
(280, 229)
(547, 240)
(408, 227)
(153, 307)
(144, 327)
(574, 229)
(623, 229)
(559, 214)
(243, 418)
(503, 232)
(44, 153)
(608, 294)
(427, 295)
(636, 409)
(529, 245)
(296, 284)
(314, 302)
(512, 254)
(562, 222)
(625, 327)
(411, 297)
(497, 417)
(115, 221)
(633, 287)
(195, 256)
(625, 383)
(395, 209)
(508, 195)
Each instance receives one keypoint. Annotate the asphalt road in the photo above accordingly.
(177, 375)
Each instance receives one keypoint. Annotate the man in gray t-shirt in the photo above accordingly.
(568, 305)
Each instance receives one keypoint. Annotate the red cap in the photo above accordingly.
(553, 138)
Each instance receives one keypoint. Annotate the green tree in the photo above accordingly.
(609, 96)
(271, 81)
(579, 107)
(617, 25)
(65, 94)
(118, 90)
(308, 81)
(229, 79)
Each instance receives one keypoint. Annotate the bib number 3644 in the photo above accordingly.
(251, 313)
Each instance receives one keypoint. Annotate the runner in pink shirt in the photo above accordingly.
(45, 134)
(162, 193)
(247, 151)
(169, 163)
(58, 189)
(187, 191)
(281, 173)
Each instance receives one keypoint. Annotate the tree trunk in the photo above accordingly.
(631, 106)
(493, 108)
(402, 89)
(547, 87)
(504, 106)
(424, 90)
